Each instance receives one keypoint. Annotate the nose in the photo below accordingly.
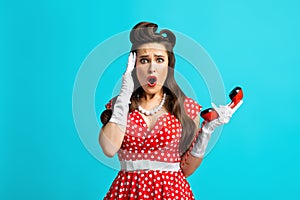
(152, 67)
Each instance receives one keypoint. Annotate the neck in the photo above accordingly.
(149, 101)
(149, 108)
(150, 97)
(155, 96)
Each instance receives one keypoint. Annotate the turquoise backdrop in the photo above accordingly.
(254, 44)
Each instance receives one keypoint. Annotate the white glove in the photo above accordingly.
(130, 63)
(225, 113)
(121, 107)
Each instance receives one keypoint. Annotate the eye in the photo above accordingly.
(160, 60)
(144, 61)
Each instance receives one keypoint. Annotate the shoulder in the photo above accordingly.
(192, 108)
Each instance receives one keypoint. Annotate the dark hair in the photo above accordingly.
(145, 32)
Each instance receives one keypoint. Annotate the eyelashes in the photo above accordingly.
(160, 60)
(146, 60)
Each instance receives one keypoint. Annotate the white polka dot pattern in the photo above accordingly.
(150, 184)
(161, 143)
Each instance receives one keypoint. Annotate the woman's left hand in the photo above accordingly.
(224, 112)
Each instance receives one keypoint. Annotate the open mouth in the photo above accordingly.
(152, 80)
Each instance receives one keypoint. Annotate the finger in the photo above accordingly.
(215, 107)
(226, 110)
(128, 61)
(130, 57)
(134, 57)
(130, 64)
(223, 112)
(133, 61)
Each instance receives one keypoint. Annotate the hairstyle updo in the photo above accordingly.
(145, 32)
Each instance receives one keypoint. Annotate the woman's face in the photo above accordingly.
(152, 66)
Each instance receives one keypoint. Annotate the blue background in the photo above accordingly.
(255, 44)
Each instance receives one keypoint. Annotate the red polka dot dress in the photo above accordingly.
(150, 159)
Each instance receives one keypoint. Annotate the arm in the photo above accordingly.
(112, 134)
(195, 155)
(190, 165)
(110, 138)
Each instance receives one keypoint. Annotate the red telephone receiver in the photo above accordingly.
(236, 95)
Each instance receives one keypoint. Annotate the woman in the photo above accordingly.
(152, 125)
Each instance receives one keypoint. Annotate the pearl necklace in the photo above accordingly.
(155, 110)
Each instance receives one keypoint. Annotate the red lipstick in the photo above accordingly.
(151, 81)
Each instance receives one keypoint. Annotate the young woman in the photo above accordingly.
(152, 125)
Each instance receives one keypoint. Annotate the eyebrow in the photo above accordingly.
(145, 56)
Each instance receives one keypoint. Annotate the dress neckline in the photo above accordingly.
(149, 129)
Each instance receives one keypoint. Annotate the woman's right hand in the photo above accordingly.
(127, 81)
(121, 108)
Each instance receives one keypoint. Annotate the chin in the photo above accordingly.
(152, 90)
